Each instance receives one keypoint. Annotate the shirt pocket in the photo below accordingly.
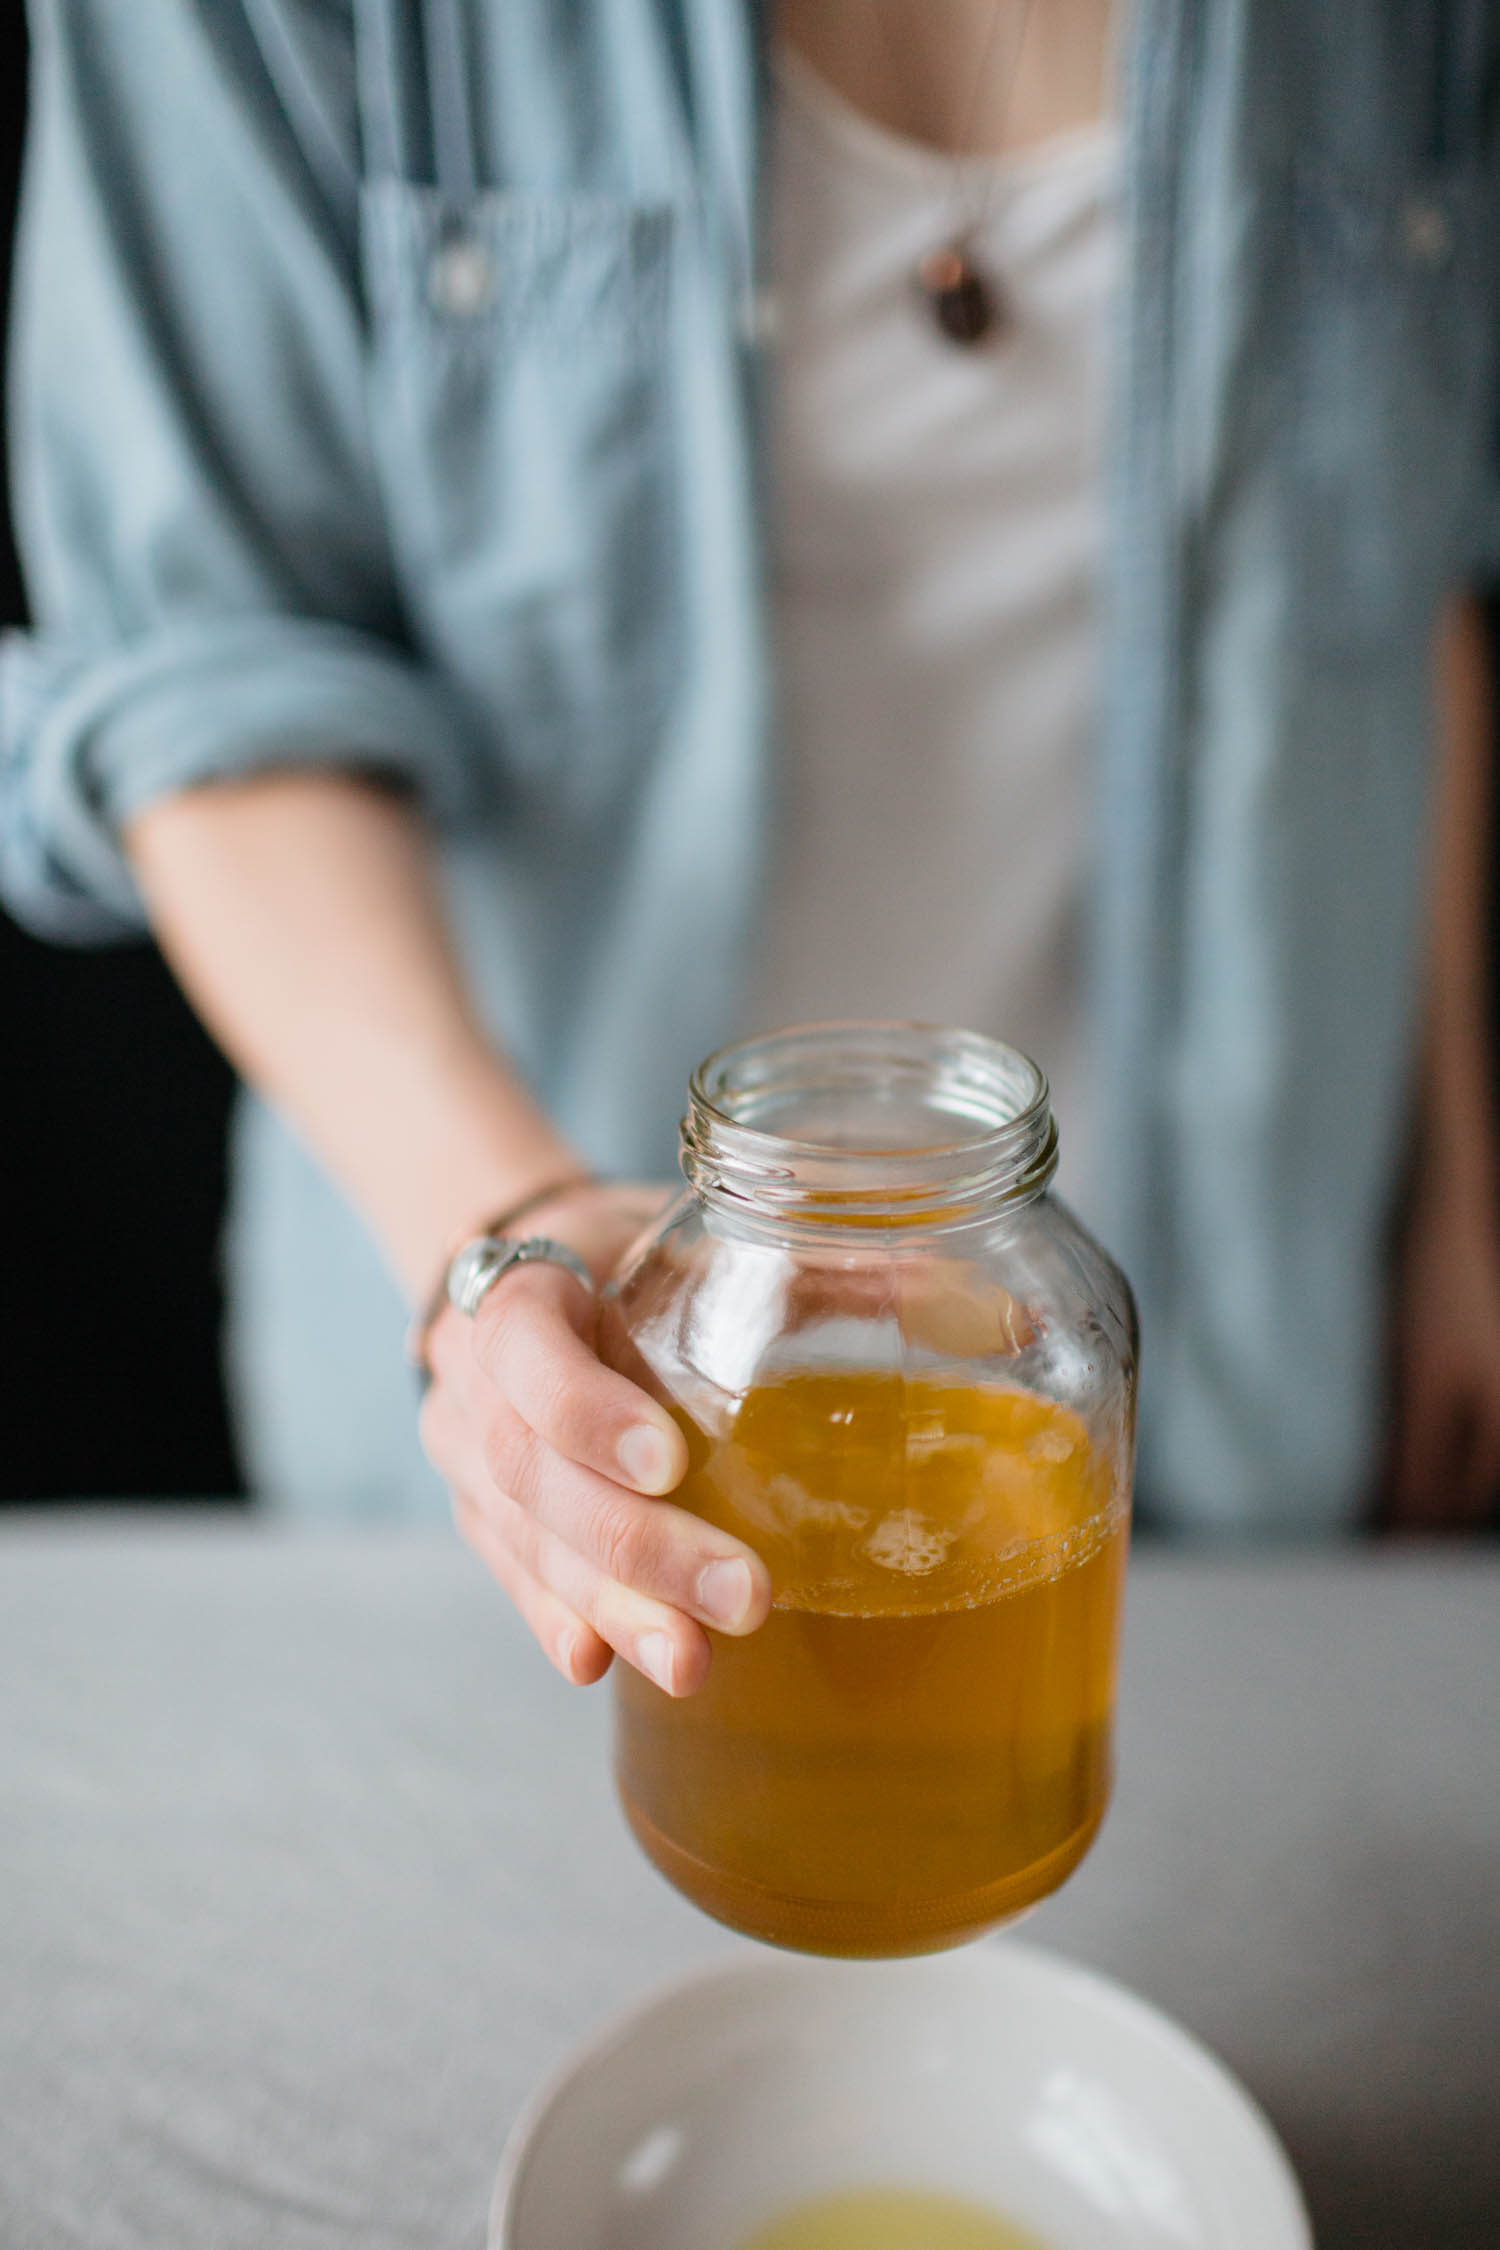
(521, 377)
(1388, 371)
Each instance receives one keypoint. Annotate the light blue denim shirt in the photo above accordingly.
(384, 394)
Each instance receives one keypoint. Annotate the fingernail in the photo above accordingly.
(567, 1650)
(653, 1653)
(646, 1457)
(724, 1592)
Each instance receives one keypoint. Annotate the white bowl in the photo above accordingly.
(999, 2074)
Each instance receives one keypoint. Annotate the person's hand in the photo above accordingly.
(556, 1465)
(1444, 1470)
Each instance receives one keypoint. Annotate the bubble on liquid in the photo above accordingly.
(909, 1542)
(1051, 1443)
(797, 1509)
(925, 1441)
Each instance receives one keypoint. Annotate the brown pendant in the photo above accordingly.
(965, 304)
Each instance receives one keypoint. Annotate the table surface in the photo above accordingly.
(310, 1869)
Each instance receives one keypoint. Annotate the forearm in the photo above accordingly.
(1458, 1104)
(301, 914)
(1444, 1466)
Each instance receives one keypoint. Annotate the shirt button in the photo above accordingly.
(461, 279)
(1425, 234)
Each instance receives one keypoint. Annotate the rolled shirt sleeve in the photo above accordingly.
(197, 499)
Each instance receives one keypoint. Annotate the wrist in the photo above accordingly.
(509, 1220)
(469, 1141)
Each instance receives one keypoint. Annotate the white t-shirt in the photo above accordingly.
(936, 534)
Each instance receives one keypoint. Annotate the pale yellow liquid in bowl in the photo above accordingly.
(890, 2219)
(916, 1745)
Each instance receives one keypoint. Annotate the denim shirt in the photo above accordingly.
(384, 395)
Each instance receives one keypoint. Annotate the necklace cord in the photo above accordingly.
(967, 167)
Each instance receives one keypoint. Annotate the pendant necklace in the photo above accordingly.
(965, 301)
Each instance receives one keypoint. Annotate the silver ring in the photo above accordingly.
(489, 1257)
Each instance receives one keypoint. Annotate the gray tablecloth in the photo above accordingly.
(309, 1869)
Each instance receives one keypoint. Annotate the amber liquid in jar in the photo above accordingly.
(916, 1744)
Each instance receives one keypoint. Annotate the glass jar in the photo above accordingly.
(906, 1376)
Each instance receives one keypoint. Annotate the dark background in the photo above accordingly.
(111, 1176)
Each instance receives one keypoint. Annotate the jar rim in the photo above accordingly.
(870, 1078)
